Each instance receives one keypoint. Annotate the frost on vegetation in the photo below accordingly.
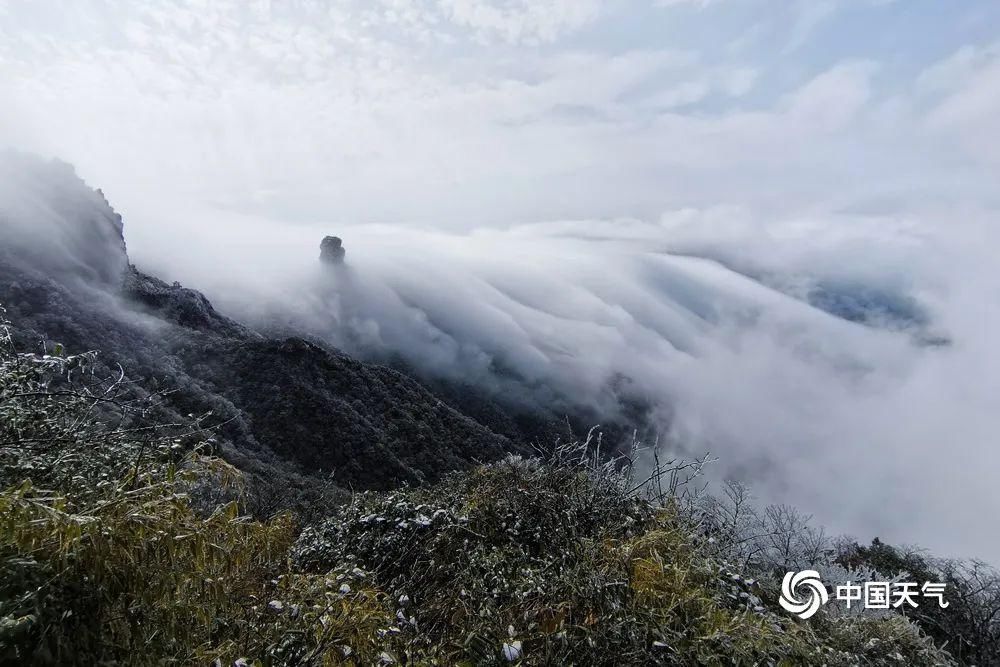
(571, 560)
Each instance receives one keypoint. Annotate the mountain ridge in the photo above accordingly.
(278, 402)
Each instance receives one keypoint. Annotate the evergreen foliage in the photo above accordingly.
(123, 542)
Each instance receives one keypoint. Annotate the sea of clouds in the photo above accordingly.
(843, 364)
(776, 226)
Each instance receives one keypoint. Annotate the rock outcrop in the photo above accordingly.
(331, 250)
(49, 220)
(282, 403)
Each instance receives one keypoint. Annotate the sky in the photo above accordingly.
(465, 113)
(583, 190)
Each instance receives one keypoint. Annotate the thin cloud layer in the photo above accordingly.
(438, 113)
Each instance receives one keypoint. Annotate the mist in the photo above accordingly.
(777, 230)
(844, 364)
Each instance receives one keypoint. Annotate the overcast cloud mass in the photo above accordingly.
(692, 194)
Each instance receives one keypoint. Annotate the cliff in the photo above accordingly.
(280, 403)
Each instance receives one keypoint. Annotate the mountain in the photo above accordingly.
(283, 406)
(110, 556)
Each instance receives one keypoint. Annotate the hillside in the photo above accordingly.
(116, 547)
(179, 487)
(282, 406)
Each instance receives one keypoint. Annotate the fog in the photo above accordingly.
(777, 227)
(844, 364)
(732, 327)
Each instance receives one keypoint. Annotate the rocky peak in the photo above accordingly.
(331, 250)
(51, 220)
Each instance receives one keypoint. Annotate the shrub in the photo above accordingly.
(560, 563)
(103, 555)
(121, 541)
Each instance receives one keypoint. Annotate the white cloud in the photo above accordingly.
(964, 99)
(517, 21)
(833, 98)
(681, 3)
(467, 114)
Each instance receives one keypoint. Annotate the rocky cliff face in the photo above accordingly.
(50, 221)
(331, 250)
(283, 405)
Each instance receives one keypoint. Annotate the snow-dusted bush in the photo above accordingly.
(105, 560)
(105, 557)
(566, 562)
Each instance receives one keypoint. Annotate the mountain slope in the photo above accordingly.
(279, 403)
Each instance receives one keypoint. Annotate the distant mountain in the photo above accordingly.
(284, 405)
